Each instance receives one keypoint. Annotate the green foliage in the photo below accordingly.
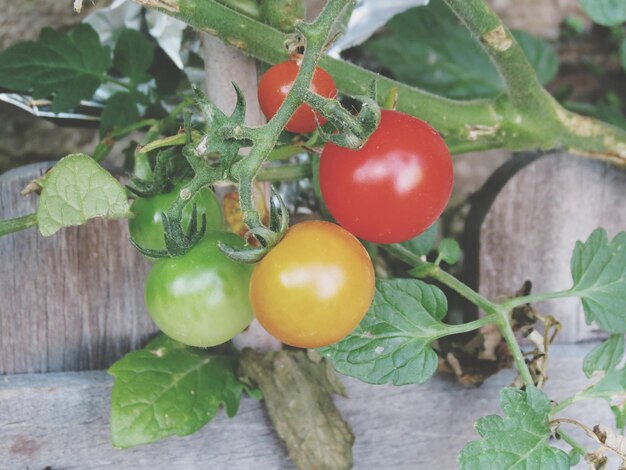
(605, 356)
(76, 190)
(169, 389)
(449, 251)
(424, 243)
(605, 12)
(610, 387)
(520, 440)
(68, 66)
(622, 53)
(120, 111)
(599, 272)
(393, 342)
(428, 48)
(133, 55)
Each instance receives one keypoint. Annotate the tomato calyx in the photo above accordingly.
(267, 236)
(352, 131)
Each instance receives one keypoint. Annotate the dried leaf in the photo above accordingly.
(297, 393)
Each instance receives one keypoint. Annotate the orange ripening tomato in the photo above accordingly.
(314, 287)
(275, 85)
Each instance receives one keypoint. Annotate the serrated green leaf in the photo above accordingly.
(393, 341)
(423, 244)
(605, 356)
(605, 12)
(169, 389)
(67, 66)
(120, 111)
(611, 386)
(518, 441)
(449, 251)
(427, 47)
(133, 55)
(599, 272)
(78, 189)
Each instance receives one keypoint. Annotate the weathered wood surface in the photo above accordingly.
(532, 227)
(61, 420)
(73, 301)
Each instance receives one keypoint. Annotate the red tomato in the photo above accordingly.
(394, 187)
(275, 85)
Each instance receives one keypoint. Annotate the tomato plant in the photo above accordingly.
(200, 298)
(146, 225)
(276, 83)
(314, 287)
(395, 186)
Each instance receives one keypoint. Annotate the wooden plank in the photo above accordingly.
(61, 420)
(73, 301)
(534, 222)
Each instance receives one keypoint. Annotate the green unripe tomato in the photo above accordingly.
(201, 298)
(146, 228)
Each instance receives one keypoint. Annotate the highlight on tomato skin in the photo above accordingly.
(276, 83)
(314, 287)
(393, 188)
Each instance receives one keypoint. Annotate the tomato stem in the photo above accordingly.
(527, 117)
(15, 225)
(495, 313)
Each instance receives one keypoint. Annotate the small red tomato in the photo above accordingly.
(275, 85)
(395, 186)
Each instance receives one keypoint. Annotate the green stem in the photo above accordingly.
(245, 170)
(285, 172)
(434, 272)
(472, 325)
(496, 313)
(565, 403)
(510, 121)
(17, 224)
(453, 283)
(572, 442)
(518, 357)
(529, 299)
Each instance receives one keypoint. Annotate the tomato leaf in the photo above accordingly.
(605, 356)
(605, 12)
(133, 55)
(424, 243)
(69, 66)
(169, 389)
(449, 251)
(612, 388)
(520, 440)
(599, 272)
(427, 47)
(78, 189)
(393, 341)
(120, 111)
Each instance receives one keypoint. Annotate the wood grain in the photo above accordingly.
(73, 301)
(534, 222)
(62, 420)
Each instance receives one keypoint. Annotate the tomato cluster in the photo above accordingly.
(316, 285)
